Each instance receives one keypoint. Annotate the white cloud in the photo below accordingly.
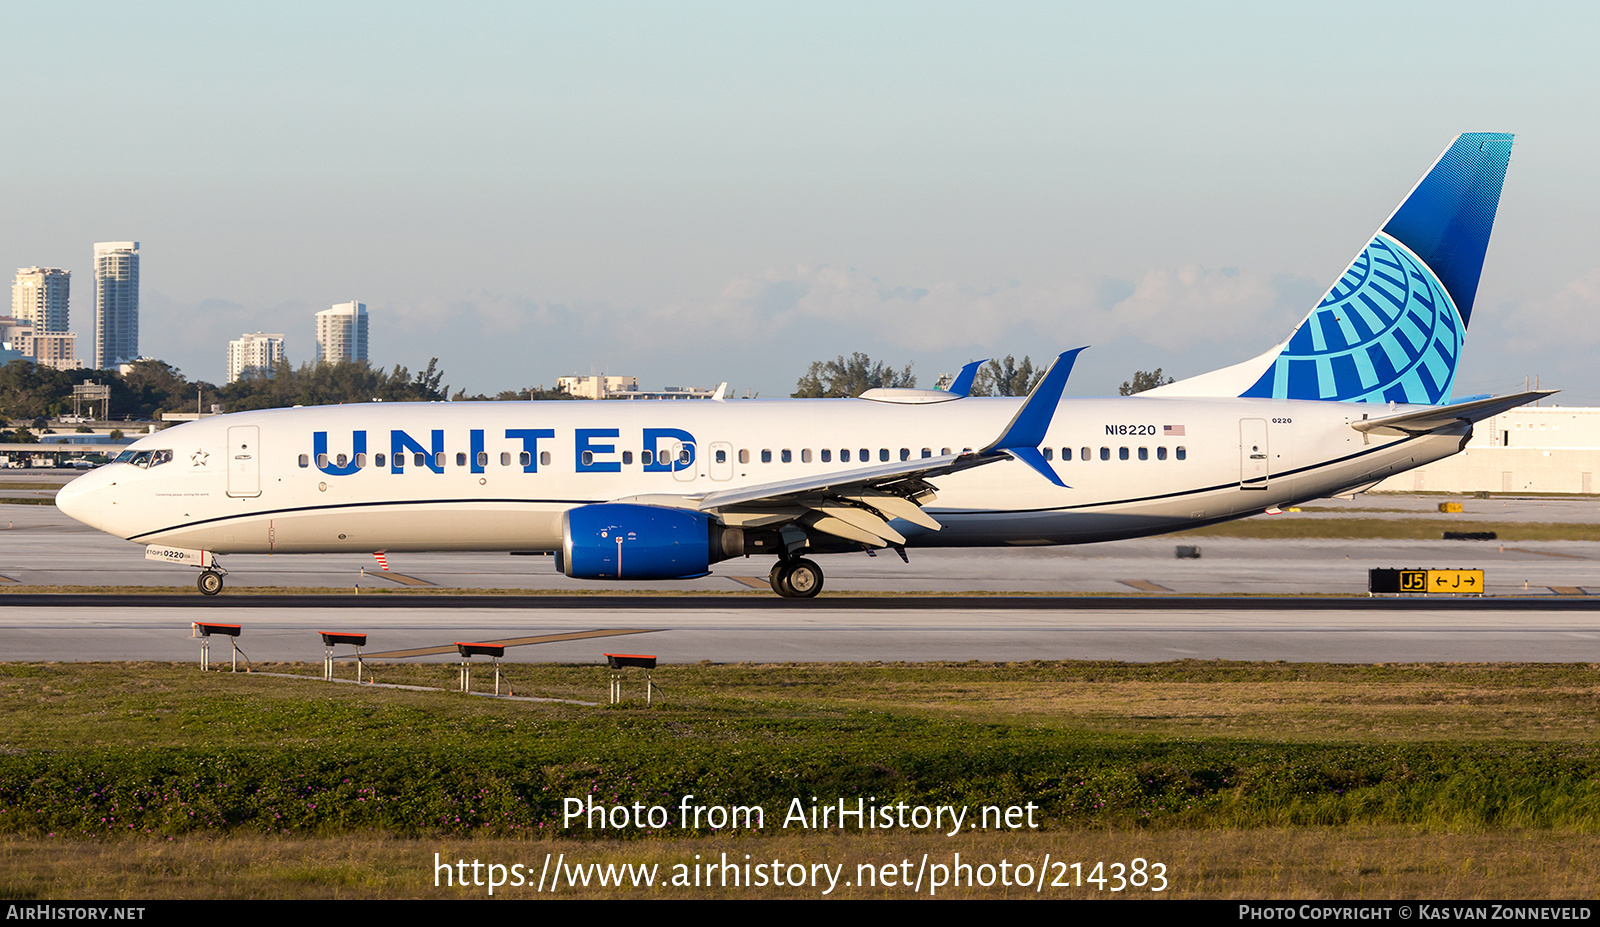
(1566, 318)
(1167, 308)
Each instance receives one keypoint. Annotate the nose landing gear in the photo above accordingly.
(210, 582)
(796, 579)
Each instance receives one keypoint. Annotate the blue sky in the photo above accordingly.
(702, 192)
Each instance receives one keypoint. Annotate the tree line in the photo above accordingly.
(30, 393)
(846, 377)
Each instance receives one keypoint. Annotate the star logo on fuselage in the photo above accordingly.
(198, 458)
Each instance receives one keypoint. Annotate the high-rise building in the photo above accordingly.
(254, 352)
(342, 333)
(116, 303)
(40, 296)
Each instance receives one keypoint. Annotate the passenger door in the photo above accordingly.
(244, 461)
(1254, 464)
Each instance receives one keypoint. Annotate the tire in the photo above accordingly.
(210, 583)
(776, 579)
(802, 579)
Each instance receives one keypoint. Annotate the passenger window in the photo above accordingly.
(787, 456)
(1161, 453)
(505, 459)
(944, 452)
(525, 458)
(844, 455)
(1144, 453)
(342, 460)
(827, 455)
(400, 462)
(1105, 453)
(361, 459)
(744, 455)
(805, 455)
(927, 452)
(378, 459)
(647, 458)
(766, 455)
(461, 458)
(1181, 453)
(627, 457)
(544, 458)
(722, 456)
(483, 458)
(1122, 453)
(322, 461)
(1049, 454)
(866, 455)
(305, 460)
(1066, 453)
(1084, 455)
(438, 460)
(588, 458)
(420, 459)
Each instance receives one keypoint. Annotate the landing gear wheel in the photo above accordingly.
(775, 579)
(210, 582)
(801, 579)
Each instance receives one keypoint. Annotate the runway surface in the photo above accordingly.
(725, 630)
(1226, 605)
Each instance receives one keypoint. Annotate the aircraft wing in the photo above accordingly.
(1426, 420)
(858, 504)
(854, 504)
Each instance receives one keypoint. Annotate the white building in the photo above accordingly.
(40, 295)
(259, 351)
(598, 387)
(1538, 449)
(116, 303)
(342, 333)
(604, 387)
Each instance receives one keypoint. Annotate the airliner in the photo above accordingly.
(647, 490)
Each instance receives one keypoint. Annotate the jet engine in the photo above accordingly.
(616, 540)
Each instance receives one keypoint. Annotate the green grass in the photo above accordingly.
(92, 751)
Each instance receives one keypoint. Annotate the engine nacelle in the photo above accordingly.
(615, 540)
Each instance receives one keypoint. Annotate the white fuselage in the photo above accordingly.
(497, 476)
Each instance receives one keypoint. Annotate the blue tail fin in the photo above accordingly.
(1392, 327)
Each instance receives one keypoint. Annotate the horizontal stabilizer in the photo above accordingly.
(1426, 420)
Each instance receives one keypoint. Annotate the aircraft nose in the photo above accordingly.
(83, 499)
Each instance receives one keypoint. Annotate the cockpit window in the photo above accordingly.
(144, 458)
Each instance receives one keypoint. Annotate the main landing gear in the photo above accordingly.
(210, 582)
(796, 579)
